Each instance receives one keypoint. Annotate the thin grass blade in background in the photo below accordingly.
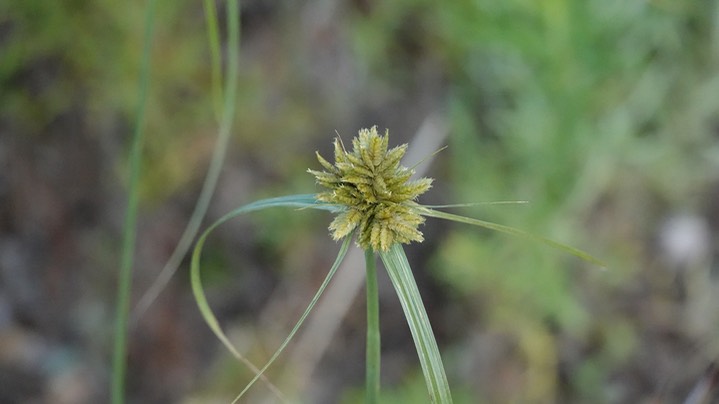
(119, 359)
(224, 109)
(213, 40)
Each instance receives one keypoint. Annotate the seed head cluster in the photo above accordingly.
(375, 191)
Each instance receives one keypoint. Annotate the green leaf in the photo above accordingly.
(400, 273)
(513, 231)
(297, 201)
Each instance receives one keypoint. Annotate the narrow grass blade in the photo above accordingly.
(513, 231)
(373, 332)
(400, 273)
(296, 201)
(218, 155)
(472, 204)
(340, 257)
(213, 40)
(119, 364)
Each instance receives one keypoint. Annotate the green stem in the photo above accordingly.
(373, 333)
(119, 358)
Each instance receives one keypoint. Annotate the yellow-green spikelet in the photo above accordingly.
(375, 190)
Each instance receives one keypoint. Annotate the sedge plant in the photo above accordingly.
(375, 202)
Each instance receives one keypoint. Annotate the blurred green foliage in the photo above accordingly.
(82, 58)
(571, 105)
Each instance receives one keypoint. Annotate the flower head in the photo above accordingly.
(375, 191)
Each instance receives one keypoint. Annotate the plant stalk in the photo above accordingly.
(373, 332)
(119, 358)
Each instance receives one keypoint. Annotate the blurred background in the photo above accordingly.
(604, 114)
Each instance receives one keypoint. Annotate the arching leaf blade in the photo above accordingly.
(293, 201)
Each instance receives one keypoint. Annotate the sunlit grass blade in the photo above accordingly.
(296, 201)
(119, 359)
(513, 231)
(213, 40)
(227, 111)
(400, 273)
